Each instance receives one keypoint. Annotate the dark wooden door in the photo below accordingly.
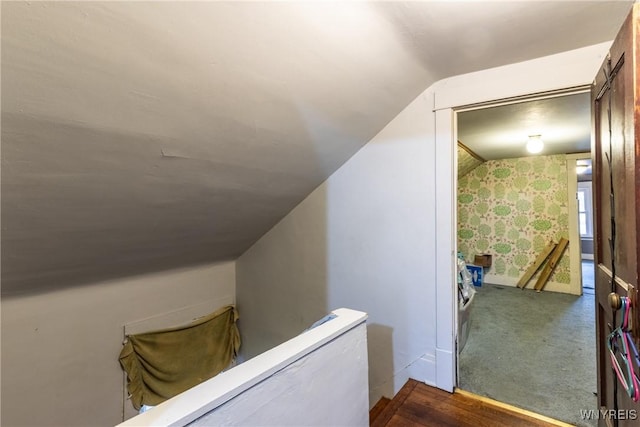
(616, 156)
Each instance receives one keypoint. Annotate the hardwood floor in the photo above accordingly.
(377, 409)
(417, 404)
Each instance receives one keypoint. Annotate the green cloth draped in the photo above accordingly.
(164, 363)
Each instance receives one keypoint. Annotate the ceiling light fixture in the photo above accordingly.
(534, 144)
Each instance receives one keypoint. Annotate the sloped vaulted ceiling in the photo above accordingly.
(142, 136)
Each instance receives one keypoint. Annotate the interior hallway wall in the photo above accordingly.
(362, 240)
(367, 238)
(60, 349)
(512, 209)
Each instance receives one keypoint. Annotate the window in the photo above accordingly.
(585, 209)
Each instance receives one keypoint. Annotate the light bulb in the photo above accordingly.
(534, 144)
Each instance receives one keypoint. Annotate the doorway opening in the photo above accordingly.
(584, 198)
(520, 344)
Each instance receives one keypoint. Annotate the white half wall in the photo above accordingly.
(327, 387)
(317, 378)
(60, 349)
(364, 239)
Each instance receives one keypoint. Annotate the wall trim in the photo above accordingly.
(422, 369)
(512, 282)
(575, 244)
(446, 261)
(446, 363)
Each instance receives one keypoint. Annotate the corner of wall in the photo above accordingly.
(364, 239)
(80, 331)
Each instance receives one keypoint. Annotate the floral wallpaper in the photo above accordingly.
(511, 209)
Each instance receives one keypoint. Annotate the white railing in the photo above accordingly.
(319, 377)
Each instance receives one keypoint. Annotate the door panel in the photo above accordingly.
(614, 137)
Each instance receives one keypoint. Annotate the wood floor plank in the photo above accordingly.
(511, 408)
(377, 409)
(400, 421)
(424, 406)
(448, 410)
(466, 406)
(397, 401)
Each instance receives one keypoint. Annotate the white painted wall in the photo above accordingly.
(318, 378)
(364, 239)
(60, 349)
(379, 234)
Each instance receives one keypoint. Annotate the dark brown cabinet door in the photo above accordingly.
(615, 98)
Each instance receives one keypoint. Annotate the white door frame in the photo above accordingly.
(571, 69)
(575, 256)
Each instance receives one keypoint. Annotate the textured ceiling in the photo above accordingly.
(143, 136)
(564, 124)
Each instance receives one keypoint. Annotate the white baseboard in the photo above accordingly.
(494, 279)
(445, 374)
(422, 369)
